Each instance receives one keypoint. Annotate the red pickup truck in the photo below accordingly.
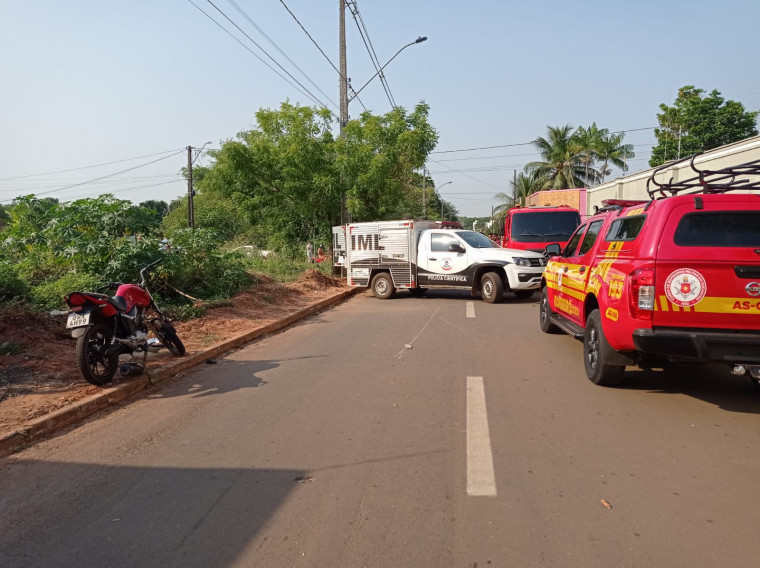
(673, 279)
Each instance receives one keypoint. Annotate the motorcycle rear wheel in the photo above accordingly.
(93, 361)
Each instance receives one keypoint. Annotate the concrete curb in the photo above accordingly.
(42, 427)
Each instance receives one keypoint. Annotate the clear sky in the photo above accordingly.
(93, 82)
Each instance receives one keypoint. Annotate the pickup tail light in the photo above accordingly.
(641, 293)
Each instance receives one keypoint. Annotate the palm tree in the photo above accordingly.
(562, 166)
(613, 152)
(588, 143)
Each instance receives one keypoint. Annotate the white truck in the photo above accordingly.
(417, 255)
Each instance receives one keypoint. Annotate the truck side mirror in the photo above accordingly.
(552, 250)
(456, 248)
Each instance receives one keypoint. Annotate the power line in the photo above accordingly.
(90, 167)
(310, 94)
(303, 90)
(64, 188)
(528, 143)
(322, 52)
(364, 34)
(277, 47)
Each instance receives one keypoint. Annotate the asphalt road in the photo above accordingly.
(400, 433)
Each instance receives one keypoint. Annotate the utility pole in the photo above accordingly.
(343, 97)
(424, 172)
(190, 210)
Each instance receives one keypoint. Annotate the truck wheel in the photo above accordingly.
(597, 353)
(545, 314)
(491, 288)
(382, 286)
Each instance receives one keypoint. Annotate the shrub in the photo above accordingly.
(49, 296)
(11, 286)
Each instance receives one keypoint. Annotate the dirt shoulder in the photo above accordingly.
(39, 375)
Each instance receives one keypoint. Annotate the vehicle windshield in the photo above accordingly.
(476, 240)
(544, 226)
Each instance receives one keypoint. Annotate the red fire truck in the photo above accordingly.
(532, 228)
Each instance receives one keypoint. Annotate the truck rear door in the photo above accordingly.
(708, 266)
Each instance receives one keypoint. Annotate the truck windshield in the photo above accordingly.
(476, 240)
(544, 226)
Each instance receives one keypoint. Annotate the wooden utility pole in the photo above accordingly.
(343, 98)
(190, 209)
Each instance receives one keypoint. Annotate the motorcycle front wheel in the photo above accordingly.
(95, 365)
(169, 338)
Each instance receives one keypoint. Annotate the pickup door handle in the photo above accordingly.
(582, 269)
(432, 258)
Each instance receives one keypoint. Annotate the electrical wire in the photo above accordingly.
(323, 53)
(303, 90)
(364, 34)
(72, 186)
(528, 143)
(277, 47)
(90, 167)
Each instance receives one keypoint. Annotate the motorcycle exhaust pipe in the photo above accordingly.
(127, 369)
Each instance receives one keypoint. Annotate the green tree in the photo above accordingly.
(158, 209)
(612, 152)
(377, 158)
(588, 145)
(289, 173)
(562, 164)
(697, 123)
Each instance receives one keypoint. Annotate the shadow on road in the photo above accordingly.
(71, 514)
(710, 383)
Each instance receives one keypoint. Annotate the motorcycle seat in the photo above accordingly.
(118, 302)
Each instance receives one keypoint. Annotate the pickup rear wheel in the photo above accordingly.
(597, 354)
(382, 286)
(545, 314)
(491, 288)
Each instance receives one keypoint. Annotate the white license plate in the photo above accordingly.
(78, 320)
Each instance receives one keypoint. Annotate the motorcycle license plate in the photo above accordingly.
(78, 320)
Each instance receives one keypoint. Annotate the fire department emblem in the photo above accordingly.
(446, 263)
(685, 287)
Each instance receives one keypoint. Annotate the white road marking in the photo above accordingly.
(470, 309)
(481, 480)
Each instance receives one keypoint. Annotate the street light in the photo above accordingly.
(436, 189)
(356, 93)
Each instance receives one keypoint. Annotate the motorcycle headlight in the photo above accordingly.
(521, 261)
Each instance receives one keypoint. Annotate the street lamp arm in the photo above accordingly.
(356, 93)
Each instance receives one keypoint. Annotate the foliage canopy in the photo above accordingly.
(697, 122)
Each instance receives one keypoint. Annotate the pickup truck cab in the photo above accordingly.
(674, 279)
(417, 255)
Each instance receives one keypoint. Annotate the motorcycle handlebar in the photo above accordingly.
(148, 267)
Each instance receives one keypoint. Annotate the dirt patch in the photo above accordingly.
(37, 370)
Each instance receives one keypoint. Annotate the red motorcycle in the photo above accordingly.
(107, 327)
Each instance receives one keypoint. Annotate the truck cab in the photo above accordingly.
(533, 228)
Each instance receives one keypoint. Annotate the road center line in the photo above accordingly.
(470, 309)
(480, 475)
